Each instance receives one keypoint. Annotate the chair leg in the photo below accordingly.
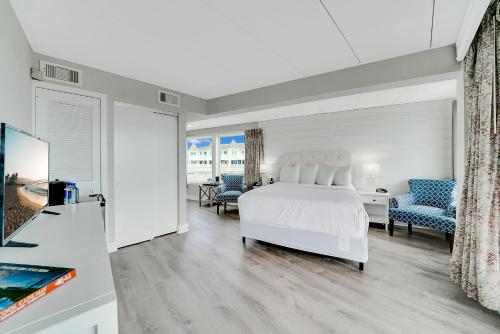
(225, 207)
(391, 227)
(243, 239)
(361, 266)
(217, 208)
(410, 228)
(451, 239)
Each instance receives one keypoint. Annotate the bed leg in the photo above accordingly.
(410, 228)
(391, 227)
(361, 266)
(243, 239)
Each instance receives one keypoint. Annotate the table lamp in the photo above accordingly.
(371, 171)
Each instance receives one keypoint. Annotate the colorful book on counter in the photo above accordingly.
(22, 284)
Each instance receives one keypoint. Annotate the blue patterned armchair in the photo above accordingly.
(430, 203)
(231, 188)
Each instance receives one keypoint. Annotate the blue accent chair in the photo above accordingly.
(430, 203)
(232, 187)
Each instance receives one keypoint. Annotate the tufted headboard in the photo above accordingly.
(333, 158)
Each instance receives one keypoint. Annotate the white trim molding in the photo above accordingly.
(112, 247)
(183, 229)
(470, 23)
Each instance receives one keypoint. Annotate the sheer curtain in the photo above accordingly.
(254, 154)
(475, 263)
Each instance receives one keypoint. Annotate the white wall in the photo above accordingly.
(126, 90)
(408, 141)
(15, 62)
(416, 68)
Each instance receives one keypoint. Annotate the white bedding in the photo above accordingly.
(335, 210)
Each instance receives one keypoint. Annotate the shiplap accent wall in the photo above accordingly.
(408, 140)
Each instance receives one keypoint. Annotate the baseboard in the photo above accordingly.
(183, 228)
(112, 247)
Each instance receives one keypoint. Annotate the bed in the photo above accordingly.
(327, 220)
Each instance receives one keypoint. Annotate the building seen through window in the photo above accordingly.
(199, 159)
(231, 157)
(232, 154)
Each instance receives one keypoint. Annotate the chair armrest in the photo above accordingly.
(243, 188)
(402, 200)
(451, 211)
(221, 189)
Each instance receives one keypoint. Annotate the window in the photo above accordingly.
(233, 153)
(201, 153)
(199, 159)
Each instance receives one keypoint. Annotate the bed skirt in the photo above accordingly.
(355, 249)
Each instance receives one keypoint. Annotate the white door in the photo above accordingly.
(71, 123)
(146, 156)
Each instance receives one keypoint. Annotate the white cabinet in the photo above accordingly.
(377, 206)
(85, 304)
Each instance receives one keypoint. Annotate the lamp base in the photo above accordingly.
(371, 183)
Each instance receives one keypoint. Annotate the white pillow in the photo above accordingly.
(342, 176)
(325, 175)
(290, 174)
(308, 174)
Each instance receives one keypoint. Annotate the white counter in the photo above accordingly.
(74, 239)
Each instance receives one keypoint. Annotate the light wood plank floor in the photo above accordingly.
(207, 281)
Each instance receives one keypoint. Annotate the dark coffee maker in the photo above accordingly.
(56, 192)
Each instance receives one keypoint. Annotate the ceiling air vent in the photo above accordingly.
(60, 73)
(169, 98)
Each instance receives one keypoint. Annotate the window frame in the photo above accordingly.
(215, 150)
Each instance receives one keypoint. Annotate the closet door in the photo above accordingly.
(146, 161)
(71, 123)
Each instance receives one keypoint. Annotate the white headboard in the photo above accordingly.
(333, 158)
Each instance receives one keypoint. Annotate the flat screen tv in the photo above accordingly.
(24, 174)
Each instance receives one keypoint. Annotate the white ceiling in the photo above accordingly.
(446, 89)
(211, 48)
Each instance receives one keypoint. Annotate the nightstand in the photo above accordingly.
(207, 193)
(377, 206)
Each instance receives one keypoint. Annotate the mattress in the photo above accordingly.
(336, 210)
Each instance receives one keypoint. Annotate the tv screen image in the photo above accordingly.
(25, 174)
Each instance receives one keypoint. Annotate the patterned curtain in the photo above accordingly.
(254, 154)
(475, 263)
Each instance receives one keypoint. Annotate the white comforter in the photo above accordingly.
(336, 210)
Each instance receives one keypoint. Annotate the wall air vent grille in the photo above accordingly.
(60, 73)
(169, 98)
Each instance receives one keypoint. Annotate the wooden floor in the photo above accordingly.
(207, 281)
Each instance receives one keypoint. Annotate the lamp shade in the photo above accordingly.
(372, 169)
